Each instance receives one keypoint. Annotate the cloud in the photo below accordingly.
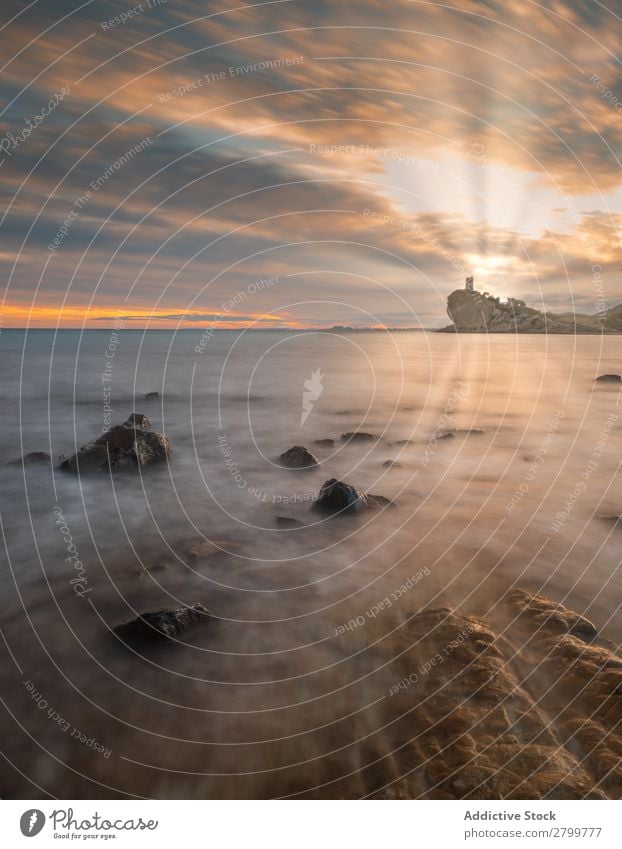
(229, 107)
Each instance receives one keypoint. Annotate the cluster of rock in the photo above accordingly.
(527, 708)
(478, 312)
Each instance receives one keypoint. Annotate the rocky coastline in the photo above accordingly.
(478, 312)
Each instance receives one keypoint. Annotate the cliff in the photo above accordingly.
(477, 312)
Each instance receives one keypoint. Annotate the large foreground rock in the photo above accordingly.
(526, 707)
(129, 445)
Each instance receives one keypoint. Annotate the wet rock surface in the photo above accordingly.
(129, 445)
(324, 443)
(527, 708)
(609, 378)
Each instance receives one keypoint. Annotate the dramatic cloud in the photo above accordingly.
(159, 159)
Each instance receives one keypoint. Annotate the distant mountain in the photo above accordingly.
(476, 312)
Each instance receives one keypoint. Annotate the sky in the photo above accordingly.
(302, 163)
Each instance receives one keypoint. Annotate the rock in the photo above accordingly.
(540, 612)
(152, 396)
(298, 458)
(445, 434)
(33, 457)
(609, 378)
(378, 501)
(324, 443)
(129, 445)
(392, 464)
(288, 522)
(469, 431)
(358, 436)
(203, 549)
(403, 442)
(339, 497)
(611, 517)
(137, 421)
(162, 624)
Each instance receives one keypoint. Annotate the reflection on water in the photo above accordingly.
(274, 696)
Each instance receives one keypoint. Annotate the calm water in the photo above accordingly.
(273, 697)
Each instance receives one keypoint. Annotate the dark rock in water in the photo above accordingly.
(392, 464)
(469, 431)
(447, 434)
(609, 378)
(612, 517)
(324, 443)
(162, 624)
(298, 458)
(124, 446)
(151, 396)
(358, 436)
(205, 549)
(33, 457)
(403, 442)
(337, 497)
(288, 522)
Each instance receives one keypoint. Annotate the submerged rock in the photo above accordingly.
(203, 549)
(32, 457)
(609, 378)
(151, 396)
(392, 464)
(378, 501)
(324, 443)
(129, 445)
(614, 518)
(162, 624)
(288, 522)
(358, 436)
(298, 457)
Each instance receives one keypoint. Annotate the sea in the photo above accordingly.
(500, 455)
